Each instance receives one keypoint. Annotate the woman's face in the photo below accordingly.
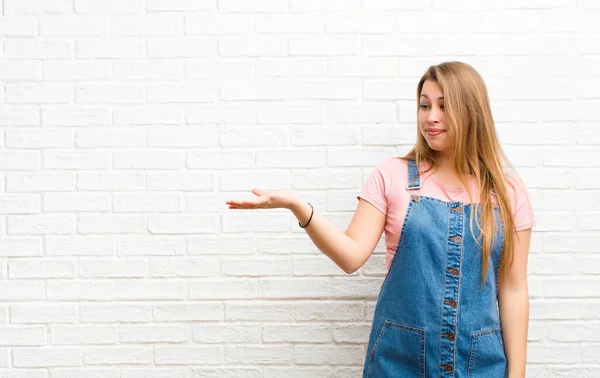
(432, 119)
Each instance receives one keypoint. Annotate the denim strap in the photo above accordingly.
(414, 181)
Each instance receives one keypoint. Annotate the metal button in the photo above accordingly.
(448, 368)
(449, 336)
(454, 271)
(452, 303)
(457, 239)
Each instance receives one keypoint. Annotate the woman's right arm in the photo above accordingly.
(349, 250)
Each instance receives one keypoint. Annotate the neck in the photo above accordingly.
(446, 164)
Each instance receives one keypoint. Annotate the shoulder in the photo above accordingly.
(522, 209)
(515, 185)
(392, 167)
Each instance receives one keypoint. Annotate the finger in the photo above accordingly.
(240, 203)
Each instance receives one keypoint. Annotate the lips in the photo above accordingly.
(434, 132)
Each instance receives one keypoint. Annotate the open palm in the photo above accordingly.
(267, 200)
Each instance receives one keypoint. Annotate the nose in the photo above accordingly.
(433, 116)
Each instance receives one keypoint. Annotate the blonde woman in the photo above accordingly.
(457, 223)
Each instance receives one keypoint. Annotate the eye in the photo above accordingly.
(423, 106)
(442, 107)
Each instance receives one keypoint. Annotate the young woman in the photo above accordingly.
(457, 223)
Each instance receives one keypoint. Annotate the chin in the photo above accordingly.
(437, 147)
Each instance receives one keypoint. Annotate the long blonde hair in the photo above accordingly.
(476, 150)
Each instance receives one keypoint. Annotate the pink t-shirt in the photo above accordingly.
(386, 190)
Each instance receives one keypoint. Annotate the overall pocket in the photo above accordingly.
(487, 358)
(398, 352)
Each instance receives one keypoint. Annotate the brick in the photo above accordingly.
(227, 334)
(260, 6)
(21, 290)
(151, 246)
(118, 224)
(176, 181)
(196, 47)
(197, 137)
(69, 115)
(39, 139)
(73, 26)
(188, 92)
(20, 71)
(22, 336)
(110, 6)
(152, 334)
(147, 203)
(79, 290)
(39, 49)
(108, 180)
(47, 357)
(38, 93)
(26, 268)
(324, 5)
(146, 25)
(40, 224)
(56, 70)
(113, 268)
(148, 159)
(20, 204)
(218, 24)
(108, 94)
(115, 313)
(178, 5)
(289, 24)
(296, 67)
(18, 26)
(76, 159)
(175, 355)
(234, 46)
(314, 333)
(110, 48)
(99, 138)
(80, 246)
(14, 7)
(188, 312)
(224, 289)
(364, 23)
(335, 355)
(20, 247)
(256, 267)
(118, 355)
(20, 115)
(183, 224)
(325, 90)
(323, 46)
(184, 267)
(83, 335)
(262, 354)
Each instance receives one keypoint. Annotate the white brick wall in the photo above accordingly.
(126, 124)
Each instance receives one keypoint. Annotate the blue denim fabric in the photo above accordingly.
(433, 317)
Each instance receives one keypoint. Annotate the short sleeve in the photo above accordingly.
(375, 190)
(522, 210)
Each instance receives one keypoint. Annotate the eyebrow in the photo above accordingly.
(439, 98)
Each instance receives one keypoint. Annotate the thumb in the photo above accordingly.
(258, 192)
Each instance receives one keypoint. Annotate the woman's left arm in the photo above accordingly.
(513, 303)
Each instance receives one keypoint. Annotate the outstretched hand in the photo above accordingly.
(267, 200)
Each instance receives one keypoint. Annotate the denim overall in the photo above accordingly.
(433, 317)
